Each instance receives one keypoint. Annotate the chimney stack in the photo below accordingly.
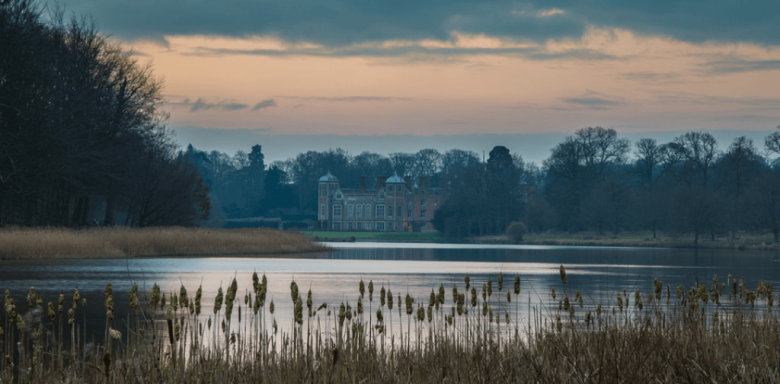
(362, 184)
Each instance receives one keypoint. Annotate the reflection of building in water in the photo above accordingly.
(395, 204)
(382, 254)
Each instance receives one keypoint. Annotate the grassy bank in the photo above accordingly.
(394, 236)
(745, 242)
(118, 242)
(702, 335)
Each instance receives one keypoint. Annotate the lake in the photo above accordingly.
(598, 272)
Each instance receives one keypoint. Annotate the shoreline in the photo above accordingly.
(746, 243)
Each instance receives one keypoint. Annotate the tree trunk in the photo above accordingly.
(110, 218)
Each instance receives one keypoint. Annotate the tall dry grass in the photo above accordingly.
(117, 242)
(701, 335)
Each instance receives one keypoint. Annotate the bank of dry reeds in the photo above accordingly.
(118, 242)
(701, 335)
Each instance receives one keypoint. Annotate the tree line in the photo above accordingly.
(82, 130)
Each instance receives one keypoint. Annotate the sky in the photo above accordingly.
(375, 72)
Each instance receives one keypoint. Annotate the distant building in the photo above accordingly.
(395, 205)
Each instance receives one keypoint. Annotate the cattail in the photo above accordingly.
(299, 311)
(61, 302)
(440, 296)
(490, 287)
(154, 298)
(294, 291)
(198, 296)
(349, 312)
(467, 280)
(51, 312)
(432, 299)
(563, 274)
(362, 288)
(500, 281)
(580, 301)
(490, 310)
(382, 297)
(484, 292)
(598, 310)
(558, 324)
(461, 302)
(454, 293)
(421, 314)
(620, 301)
(638, 300)
(517, 284)
(566, 303)
(553, 293)
(371, 290)
(679, 292)
(360, 306)
(174, 301)
(508, 297)
(409, 302)
(109, 291)
(430, 314)
(31, 296)
(110, 309)
(484, 308)
(560, 305)
(183, 299)
(668, 293)
(389, 299)
(271, 307)
(84, 302)
(473, 297)
(39, 300)
(659, 286)
(20, 323)
(701, 293)
(135, 305)
(379, 316)
(506, 317)
(322, 306)
(342, 314)
(217, 301)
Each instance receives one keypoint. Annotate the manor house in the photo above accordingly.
(395, 204)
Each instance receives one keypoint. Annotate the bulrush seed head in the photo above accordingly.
(620, 301)
(342, 314)
(31, 296)
(430, 314)
(432, 299)
(382, 295)
(294, 291)
(379, 317)
(109, 291)
(679, 292)
(299, 311)
(217, 301)
(484, 308)
(409, 302)
(154, 297)
(500, 281)
(71, 316)
(454, 294)
(174, 301)
(52, 314)
(61, 302)
(198, 296)
(389, 300)
(440, 296)
(360, 306)
(558, 324)
(473, 297)
(371, 290)
(271, 307)
(467, 280)
(362, 288)
(659, 286)
(421, 314)
(553, 293)
(563, 274)
(508, 297)
(349, 312)
(183, 299)
(490, 287)
(484, 292)
(135, 305)
(517, 284)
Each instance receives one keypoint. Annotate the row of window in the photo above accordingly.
(380, 211)
(361, 226)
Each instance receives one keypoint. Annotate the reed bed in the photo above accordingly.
(120, 242)
(463, 334)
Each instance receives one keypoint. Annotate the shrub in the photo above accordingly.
(515, 231)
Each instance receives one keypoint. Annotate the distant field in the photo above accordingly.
(417, 236)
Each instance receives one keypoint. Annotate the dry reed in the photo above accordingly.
(119, 242)
(702, 336)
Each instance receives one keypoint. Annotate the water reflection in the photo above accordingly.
(414, 268)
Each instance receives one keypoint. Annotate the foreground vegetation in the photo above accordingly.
(118, 242)
(697, 335)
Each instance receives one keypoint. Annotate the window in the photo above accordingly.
(422, 193)
(380, 211)
(368, 226)
(350, 210)
(382, 195)
(400, 211)
(422, 214)
(349, 225)
(380, 226)
(360, 210)
(359, 225)
(337, 210)
(323, 211)
(337, 226)
(422, 202)
(409, 202)
(368, 211)
(390, 190)
(389, 211)
(323, 190)
(409, 213)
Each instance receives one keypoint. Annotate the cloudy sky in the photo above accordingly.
(367, 67)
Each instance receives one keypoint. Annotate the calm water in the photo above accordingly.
(415, 268)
